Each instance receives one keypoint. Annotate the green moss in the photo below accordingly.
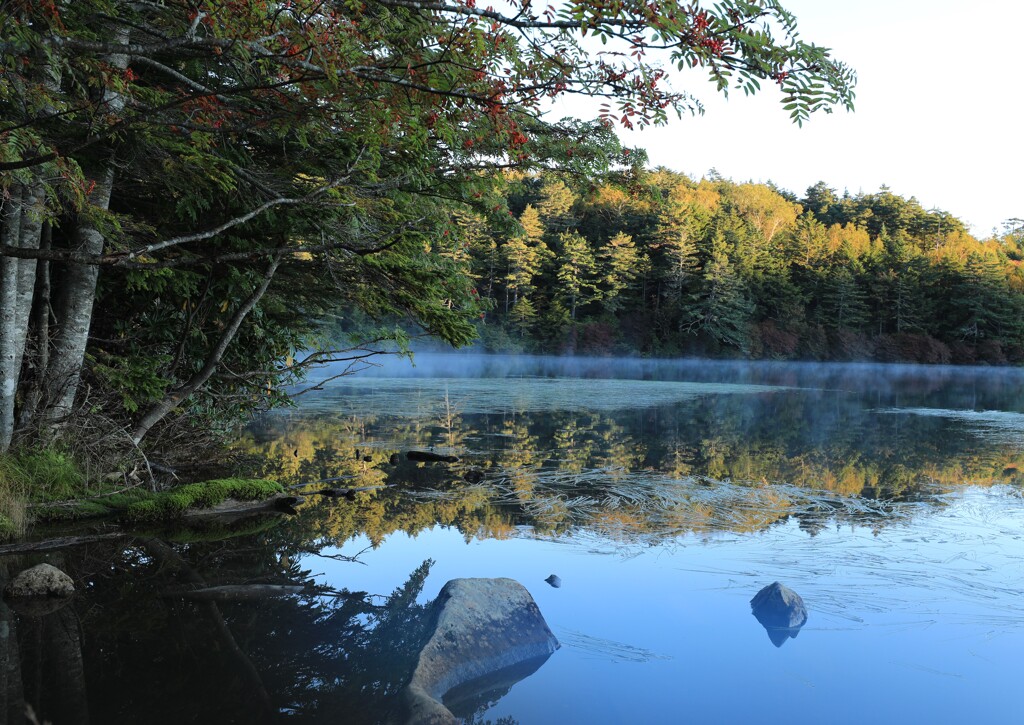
(174, 503)
(139, 505)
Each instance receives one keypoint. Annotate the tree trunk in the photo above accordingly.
(75, 311)
(79, 286)
(10, 355)
(39, 329)
(32, 210)
(173, 399)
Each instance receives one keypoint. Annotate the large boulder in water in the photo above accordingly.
(42, 580)
(487, 630)
(780, 611)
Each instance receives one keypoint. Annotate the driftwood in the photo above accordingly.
(236, 592)
(428, 457)
(348, 493)
(281, 503)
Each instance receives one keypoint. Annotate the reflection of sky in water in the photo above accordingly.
(921, 621)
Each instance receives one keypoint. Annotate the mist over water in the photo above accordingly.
(971, 387)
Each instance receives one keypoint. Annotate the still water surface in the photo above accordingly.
(664, 496)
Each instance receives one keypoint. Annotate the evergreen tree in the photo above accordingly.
(555, 205)
(720, 307)
(620, 265)
(577, 272)
(843, 301)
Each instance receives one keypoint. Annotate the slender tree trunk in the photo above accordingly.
(10, 355)
(75, 312)
(79, 285)
(32, 210)
(156, 413)
(39, 329)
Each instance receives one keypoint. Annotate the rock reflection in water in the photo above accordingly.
(780, 611)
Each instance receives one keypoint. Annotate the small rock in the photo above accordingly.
(395, 459)
(554, 581)
(367, 459)
(42, 580)
(473, 476)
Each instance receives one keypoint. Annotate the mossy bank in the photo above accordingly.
(45, 486)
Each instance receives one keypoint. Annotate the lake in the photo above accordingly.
(663, 494)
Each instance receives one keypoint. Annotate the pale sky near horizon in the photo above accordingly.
(939, 111)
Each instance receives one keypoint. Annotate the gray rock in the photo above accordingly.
(554, 581)
(42, 580)
(780, 611)
(484, 626)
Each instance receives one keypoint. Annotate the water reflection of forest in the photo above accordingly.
(720, 462)
(318, 656)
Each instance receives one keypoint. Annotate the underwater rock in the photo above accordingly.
(429, 457)
(473, 475)
(780, 611)
(42, 580)
(554, 581)
(485, 628)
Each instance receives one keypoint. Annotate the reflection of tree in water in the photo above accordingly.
(717, 462)
(316, 657)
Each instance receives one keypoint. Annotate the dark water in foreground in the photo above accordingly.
(663, 495)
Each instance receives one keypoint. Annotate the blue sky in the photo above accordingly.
(940, 108)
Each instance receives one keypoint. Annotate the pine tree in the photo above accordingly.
(720, 307)
(577, 272)
(621, 264)
(555, 205)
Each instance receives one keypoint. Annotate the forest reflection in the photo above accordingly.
(321, 655)
(715, 462)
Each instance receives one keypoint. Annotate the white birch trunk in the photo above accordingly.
(32, 210)
(79, 285)
(75, 313)
(10, 231)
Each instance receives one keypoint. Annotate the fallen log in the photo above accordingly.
(62, 542)
(236, 592)
(429, 457)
